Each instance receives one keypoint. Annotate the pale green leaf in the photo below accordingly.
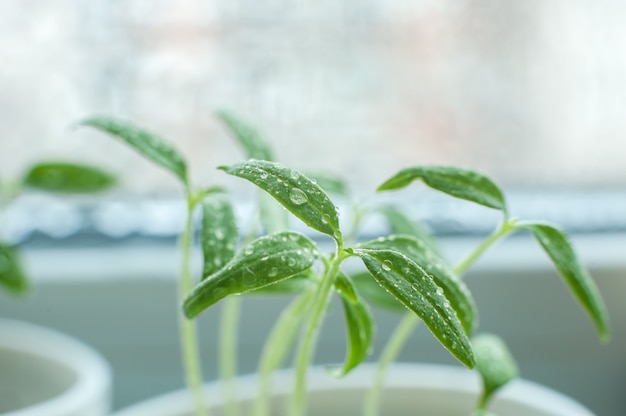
(457, 182)
(401, 224)
(299, 194)
(329, 183)
(359, 326)
(253, 142)
(558, 247)
(149, 145)
(495, 363)
(265, 261)
(219, 232)
(274, 217)
(421, 253)
(374, 294)
(417, 290)
(64, 177)
(11, 275)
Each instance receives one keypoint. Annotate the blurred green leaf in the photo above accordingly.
(11, 275)
(249, 138)
(495, 364)
(359, 325)
(421, 253)
(374, 294)
(66, 177)
(556, 244)
(149, 145)
(456, 182)
(401, 224)
(265, 261)
(330, 184)
(417, 290)
(219, 232)
(299, 194)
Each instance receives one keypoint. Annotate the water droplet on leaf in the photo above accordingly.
(298, 197)
(387, 265)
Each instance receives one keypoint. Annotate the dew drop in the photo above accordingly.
(263, 174)
(291, 262)
(219, 234)
(298, 197)
(273, 272)
(387, 265)
(248, 251)
(439, 291)
(295, 175)
(265, 258)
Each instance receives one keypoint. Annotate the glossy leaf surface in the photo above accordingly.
(11, 275)
(149, 145)
(263, 262)
(457, 182)
(453, 288)
(219, 232)
(494, 362)
(417, 290)
(255, 146)
(558, 247)
(67, 178)
(359, 326)
(299, 194)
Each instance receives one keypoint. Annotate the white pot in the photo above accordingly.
(411, 389)
(46, 373)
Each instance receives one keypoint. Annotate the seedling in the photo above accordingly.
(402, 271)
(50, 177)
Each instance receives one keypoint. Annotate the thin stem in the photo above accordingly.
(278, 345)
(189, 338)
(399, 337)
(305, 351)
(403, 330)
(228, 353)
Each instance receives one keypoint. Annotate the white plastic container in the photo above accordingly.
(46, 373)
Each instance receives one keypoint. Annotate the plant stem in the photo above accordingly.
(305, 351)
(410, 320)
(189, 339)
(276, 348)
(228, 353)
(392, 349)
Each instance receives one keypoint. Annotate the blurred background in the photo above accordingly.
(532, 93)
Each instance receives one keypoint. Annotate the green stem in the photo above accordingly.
(404, 329)
(228, 353)
(399, 337)
(305, 352)
(277, 347)
(189, 338)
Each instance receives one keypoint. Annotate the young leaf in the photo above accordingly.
(265, 261)
(67, 178)
(453, 288)
(359, 324)
(417, 290)
(219, 232)
(459, 183)
(495, 364)
(299, 194)
(330, 184)
(11, 275)
(556, 244)
(249, 137)
(374, 294)
(149, 145)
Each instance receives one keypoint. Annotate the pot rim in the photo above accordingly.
(93, 373)
(401, 375)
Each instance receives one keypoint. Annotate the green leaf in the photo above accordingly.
(248, 137)
(297, 284)
(556, 244)
(330, 184)
(299, 194)
(149, 145)
(359, 325)
(459, 183)
(274, 218)
(453, 288)
(495, 364)
(401, 224)
(67, 178)
(219, 232)
(417, 290)
(11, 275)
(265, 261)
(374, 294)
